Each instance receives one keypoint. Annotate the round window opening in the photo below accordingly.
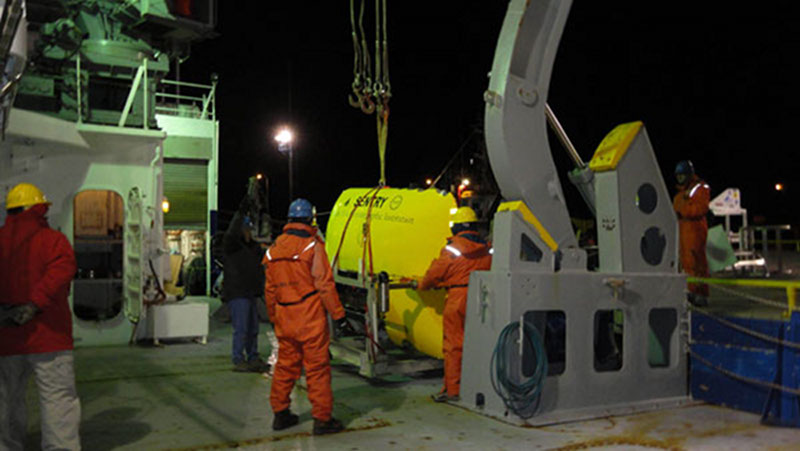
(647, 198)
(652, 246)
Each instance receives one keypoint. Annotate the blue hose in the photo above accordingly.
(521, 398)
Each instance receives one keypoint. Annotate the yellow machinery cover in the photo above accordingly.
(408, 228)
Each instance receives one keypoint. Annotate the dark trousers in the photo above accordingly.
(244, 317)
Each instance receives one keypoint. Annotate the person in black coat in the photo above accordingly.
(243, 286)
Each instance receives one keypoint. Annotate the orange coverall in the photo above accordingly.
(299, 291)
(691, 205)
(464, 253)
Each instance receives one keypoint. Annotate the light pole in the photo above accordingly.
(285, 137)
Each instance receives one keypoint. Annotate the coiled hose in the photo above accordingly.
(521, 398)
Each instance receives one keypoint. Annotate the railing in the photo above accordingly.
(791, 287)
(748, 240)
(199, 103)
(747, 362)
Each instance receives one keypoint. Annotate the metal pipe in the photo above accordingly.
(131, 96)
(372, 319)
(167, 95)
(402, 286)
(145, 93)
(291, 179)
(10, 84)
(186, 84)
(383, 291)
(80, 94)
(210, 100)
(562, 136)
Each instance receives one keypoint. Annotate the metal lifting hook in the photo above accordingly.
(355, 98)
(355, 101)
(367, 104)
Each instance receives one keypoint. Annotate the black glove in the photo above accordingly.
(343, 326)
(24, 313)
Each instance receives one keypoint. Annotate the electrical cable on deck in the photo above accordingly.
(522, 398)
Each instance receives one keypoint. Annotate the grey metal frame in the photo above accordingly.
(516, 134)
(514, 287)
(370, 360)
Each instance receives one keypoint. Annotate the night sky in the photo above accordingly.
(717, 87)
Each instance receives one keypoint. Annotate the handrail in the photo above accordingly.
(178, 96)
(790, 286)
(186, 84)
(202, 106)
(205, 102)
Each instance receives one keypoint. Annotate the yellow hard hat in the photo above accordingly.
(464, 214)
(25, 195)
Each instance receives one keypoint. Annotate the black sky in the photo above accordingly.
(716, 86)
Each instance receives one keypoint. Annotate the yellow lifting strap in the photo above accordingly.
(383, 134)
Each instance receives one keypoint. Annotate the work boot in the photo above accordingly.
(331, 426)
(444, 397)
(258, 366)
(241, 367)
(284, 419)
(697, 300)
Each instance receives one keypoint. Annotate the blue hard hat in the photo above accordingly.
(301, 208)
(684, 167)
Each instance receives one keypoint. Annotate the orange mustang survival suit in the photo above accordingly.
(465, 252)
(299, 292)
(691, 206)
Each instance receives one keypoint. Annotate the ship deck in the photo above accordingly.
(183, 395)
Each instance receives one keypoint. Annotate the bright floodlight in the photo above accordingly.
(428, 181)
(465, 182)
(284, 136)
(779, 187)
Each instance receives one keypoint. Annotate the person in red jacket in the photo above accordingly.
(300, 293)
(37, 265)
(691, 205)
(465, 252)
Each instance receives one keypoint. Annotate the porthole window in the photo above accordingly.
(647, 198)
